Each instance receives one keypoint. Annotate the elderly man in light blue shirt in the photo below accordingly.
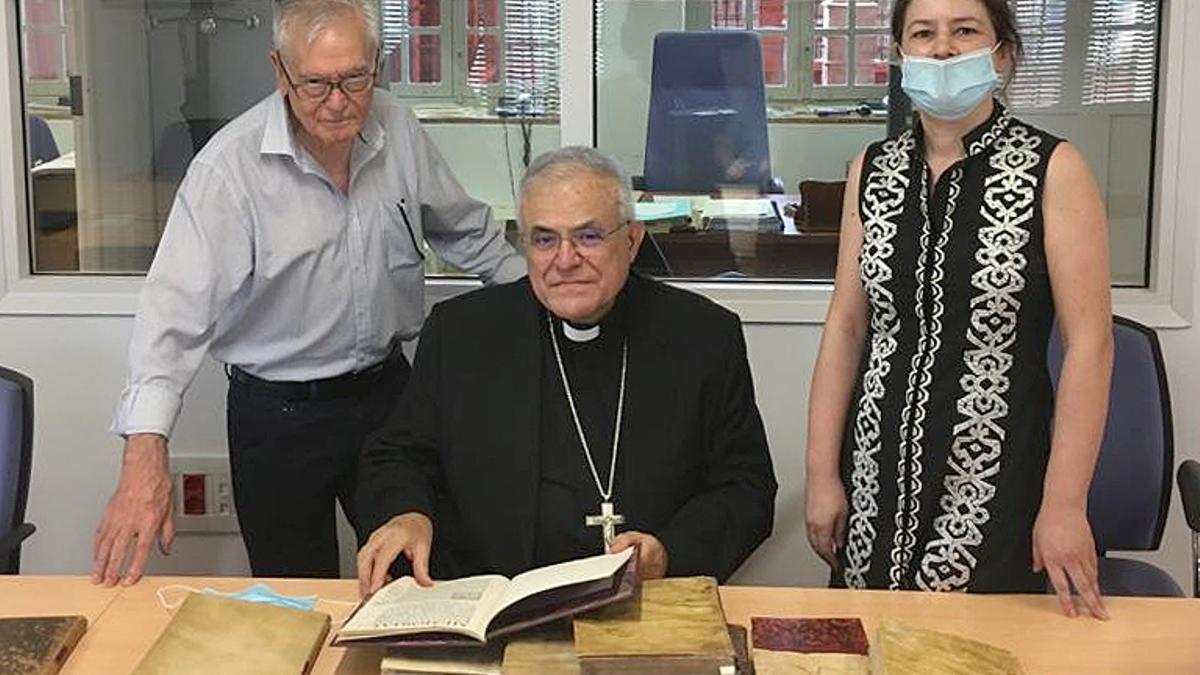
(292, 254)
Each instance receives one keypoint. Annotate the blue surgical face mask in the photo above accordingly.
(949, 88)
(263, 594)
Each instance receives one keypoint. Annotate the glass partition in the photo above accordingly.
(1089, 74)
(119, 95)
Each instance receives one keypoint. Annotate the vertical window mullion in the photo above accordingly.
(851, 46)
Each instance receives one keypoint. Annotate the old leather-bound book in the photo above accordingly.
(829, 646)
(674, 626)
(472, 611)
(906, 650)
(38, 645)
(212, 634)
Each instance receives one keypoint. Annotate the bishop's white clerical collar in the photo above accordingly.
(575, 334)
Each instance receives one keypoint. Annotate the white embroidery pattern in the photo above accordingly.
(920, 377)
(989, 137)
(1010, 191)
(882, 203)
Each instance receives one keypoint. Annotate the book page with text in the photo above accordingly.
(461, 606)
(563, 574)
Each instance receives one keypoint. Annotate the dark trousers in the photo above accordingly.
(293, 452)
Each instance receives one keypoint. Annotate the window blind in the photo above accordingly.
(1039, 79)
(1119, 66)
(529, 49)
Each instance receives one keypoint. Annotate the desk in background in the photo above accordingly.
(1145, 635)
(55, 215)
(732, 251)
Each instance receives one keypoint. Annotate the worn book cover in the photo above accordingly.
(548, 650)
(743, 665)
(793, 646)
(906, 650)
(211, 634)
(674, 625)
(468, 660)
(809, 636)
(38, 645)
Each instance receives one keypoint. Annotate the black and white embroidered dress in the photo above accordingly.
(948, 435)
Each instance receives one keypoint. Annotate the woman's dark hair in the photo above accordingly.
(999, 12)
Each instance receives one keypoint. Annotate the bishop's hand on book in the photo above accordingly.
(407, 533)
(652, 555)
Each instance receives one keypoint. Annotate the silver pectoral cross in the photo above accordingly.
(607, 520)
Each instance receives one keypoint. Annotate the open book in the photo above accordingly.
(477, 609)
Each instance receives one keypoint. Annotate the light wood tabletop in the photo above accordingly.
(1145, 635)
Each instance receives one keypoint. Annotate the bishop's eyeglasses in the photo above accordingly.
(588, 237)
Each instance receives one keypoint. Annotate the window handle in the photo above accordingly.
(76, 86)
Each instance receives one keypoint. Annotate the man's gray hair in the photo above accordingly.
(309, 18)
(558, 164)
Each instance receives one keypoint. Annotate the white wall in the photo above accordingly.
(74, 348)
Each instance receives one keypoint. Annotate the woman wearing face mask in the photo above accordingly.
(932, 463)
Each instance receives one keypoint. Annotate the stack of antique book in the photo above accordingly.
(671, 626)
(594, 617)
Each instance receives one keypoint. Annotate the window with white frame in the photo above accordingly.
(45, 50)
(501, 55)
(155, 82)
(812, 49)
(1088, 75)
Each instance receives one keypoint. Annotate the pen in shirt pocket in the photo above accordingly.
(412, 236)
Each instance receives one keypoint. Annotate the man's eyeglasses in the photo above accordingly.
(586, 237)
(319, 88)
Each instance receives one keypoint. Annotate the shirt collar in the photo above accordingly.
(373, 133)
(611, 325)
(277, 136)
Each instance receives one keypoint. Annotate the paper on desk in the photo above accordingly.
(738, 208)
(662, 209)
(61, 164)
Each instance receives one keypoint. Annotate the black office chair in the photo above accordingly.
(1189, 492)
(708, 114)
(1131, 489)
(16, 460)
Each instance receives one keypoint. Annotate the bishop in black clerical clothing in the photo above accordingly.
(579, 408)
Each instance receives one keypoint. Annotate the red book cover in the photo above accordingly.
(809, 636)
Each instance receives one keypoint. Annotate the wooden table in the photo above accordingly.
(1146, 635)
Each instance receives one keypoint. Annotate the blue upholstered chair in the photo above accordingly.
(1131, 489)
(708, 114)
(16, 456)
(1189, 492)
(42, 147)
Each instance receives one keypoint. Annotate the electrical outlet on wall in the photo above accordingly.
(203, 494)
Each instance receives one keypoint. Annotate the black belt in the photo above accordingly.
(340, 386)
